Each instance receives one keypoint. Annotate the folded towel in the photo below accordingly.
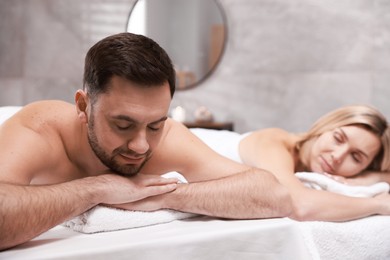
(322, 182)
(102, 219)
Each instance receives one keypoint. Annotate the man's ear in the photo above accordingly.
(81, 99)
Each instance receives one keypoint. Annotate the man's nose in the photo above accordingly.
(139, 143)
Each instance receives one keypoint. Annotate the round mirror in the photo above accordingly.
(193, 33)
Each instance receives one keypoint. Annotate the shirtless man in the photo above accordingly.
(58, 160)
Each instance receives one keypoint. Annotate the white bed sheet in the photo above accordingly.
(196, 238)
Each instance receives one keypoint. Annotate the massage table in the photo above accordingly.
(202, 237)
(194, 238)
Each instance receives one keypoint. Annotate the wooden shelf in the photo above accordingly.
(211, 125)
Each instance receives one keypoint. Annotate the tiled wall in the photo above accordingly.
(286, 61)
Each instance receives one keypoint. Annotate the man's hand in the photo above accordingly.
(121, 190)
(151, 203)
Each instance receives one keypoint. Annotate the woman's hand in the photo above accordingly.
(337, 178)
(384, 200)
(363, 179)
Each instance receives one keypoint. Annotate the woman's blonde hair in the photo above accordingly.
(359, 115)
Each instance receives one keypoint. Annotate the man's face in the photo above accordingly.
(126, 124)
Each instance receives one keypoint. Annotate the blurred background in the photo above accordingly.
(280, 63)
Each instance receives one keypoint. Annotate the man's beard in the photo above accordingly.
(109, 160)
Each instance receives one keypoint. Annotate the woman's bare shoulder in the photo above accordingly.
(268, 137)
(271, 134)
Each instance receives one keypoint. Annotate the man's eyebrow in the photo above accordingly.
(129, 119)
(159, 120)
(123, 117)
(346, 137)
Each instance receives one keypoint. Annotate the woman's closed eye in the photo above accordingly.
(338, 137)
(357, 157)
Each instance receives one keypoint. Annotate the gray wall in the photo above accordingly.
(286, 61)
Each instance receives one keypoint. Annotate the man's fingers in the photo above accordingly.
(160, 189)
(152, 181)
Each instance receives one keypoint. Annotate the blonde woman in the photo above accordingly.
(348, 142)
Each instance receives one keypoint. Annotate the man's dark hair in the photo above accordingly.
(134, 57)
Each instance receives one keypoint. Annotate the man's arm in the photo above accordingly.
(251, 194)
(27, 211)
(218, 186)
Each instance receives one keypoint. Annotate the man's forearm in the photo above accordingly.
(27, 211)
(248, 195)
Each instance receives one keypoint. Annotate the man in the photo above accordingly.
(59, 160)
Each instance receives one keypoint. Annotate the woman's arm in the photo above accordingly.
(368, 178)
(272, 150)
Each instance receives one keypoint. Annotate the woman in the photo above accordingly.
(348, 142)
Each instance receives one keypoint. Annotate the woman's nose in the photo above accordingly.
(339, 153)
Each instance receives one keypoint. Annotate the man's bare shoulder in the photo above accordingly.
(182, 151)
(32, 140)
(175, 132)
(169, 149)
(43, 114)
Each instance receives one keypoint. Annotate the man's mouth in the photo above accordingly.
(132, 159)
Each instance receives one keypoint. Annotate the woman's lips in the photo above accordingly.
(326, 167)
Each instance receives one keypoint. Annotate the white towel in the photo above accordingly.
(8, 111)
(322, 182)
(361, 239)
(102, 219)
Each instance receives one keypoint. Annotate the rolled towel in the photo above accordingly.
(103, 219)
(320, 181)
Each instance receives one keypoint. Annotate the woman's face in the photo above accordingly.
(344, 151)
